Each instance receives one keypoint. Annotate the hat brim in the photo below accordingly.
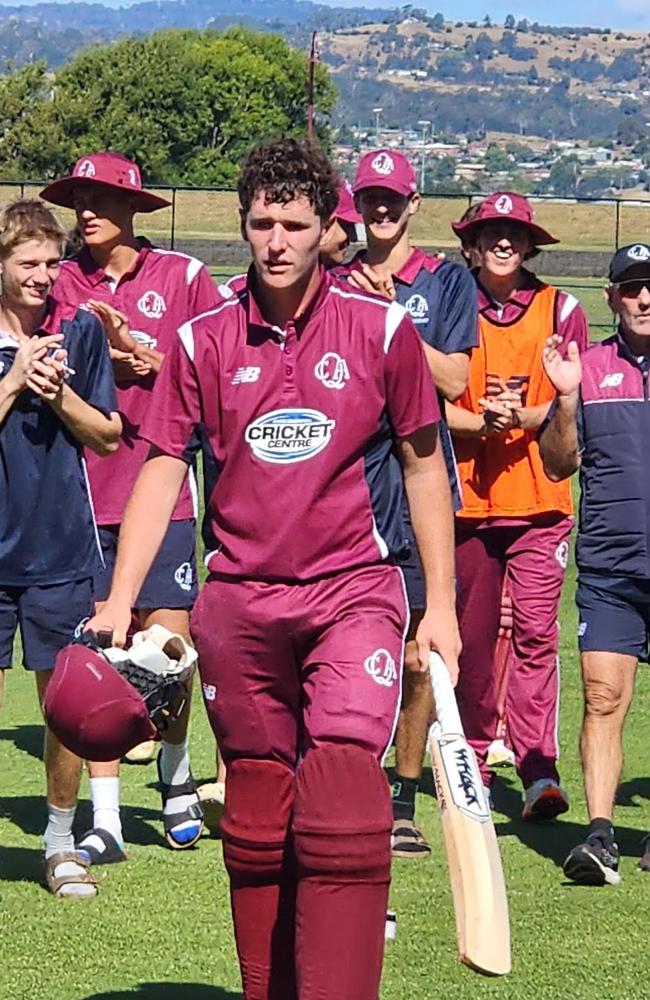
(540, 236)
(637, 271)
(61, 193)
(404, 189)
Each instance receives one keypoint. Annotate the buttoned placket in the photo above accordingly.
(289, 344)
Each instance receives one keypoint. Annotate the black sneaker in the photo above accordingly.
(593, 863)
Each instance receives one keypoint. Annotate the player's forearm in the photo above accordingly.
(558, 443)
(90, 426)
(449, 372)
(429, 500)
(146, 520)
(464, 423)
(531, 418)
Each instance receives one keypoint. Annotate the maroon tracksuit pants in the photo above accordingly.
(533, 558)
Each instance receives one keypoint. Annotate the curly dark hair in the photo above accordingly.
(285, 169)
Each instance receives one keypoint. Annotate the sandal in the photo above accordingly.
(193, 814)
(57, 883)
(101, 847)
(407, 841)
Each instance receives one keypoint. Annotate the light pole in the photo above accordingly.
(424, 124)
(377, 112)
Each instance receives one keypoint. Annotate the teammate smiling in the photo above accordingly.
(441, 300)
(143, 295)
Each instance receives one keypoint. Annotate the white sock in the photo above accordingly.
(174, 763)
(58, 832)
(105, 793)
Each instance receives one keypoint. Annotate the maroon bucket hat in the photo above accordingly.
(112, 170)
(505, 205)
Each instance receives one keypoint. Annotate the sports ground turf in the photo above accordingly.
(160, 929)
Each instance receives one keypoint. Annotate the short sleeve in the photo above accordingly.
(204, 294)
(411, 400)
(571, 322)
(175, 409)
(457, 326)
(88, 355)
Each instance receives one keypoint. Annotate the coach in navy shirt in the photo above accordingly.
(440, 298)
(57, 395)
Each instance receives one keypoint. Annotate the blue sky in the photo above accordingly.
(631, 14)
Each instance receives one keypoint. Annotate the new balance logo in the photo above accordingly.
(611, 381)
(250, 374)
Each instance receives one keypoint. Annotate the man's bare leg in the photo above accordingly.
(410, 746)
(62, 776)
(608, 682)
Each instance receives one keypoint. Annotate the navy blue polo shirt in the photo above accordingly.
(47, 528)
(440, 297)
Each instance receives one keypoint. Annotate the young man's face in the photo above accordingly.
(285, 239)
(502, 246)
(337, 239)
(29, 272)
(104, 215)
(630, 300)
(385, 213)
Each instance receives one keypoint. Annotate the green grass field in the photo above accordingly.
(160, 929)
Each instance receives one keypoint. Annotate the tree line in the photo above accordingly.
(187, 105)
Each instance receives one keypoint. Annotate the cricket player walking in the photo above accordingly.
(300, 627)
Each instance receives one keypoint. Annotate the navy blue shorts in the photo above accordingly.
(411, 567)
(171, 581)
(614, 615)
(47, 617)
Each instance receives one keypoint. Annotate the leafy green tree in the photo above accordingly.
(186, 104)
(496, 159)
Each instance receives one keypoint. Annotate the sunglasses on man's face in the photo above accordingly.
(632, 289)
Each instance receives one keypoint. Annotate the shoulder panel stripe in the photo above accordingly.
(394, 317)
(569, 304)
(193, 268)
(335, 290)
(187, 339)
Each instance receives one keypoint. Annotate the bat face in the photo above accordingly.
(463, 781)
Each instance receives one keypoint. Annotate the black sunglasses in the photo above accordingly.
(632, 289)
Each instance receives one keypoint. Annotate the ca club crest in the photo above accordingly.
(332, 371)
(380, 665)
(383, 164)
(152, 305)
(184, 576)
(639, 252)
(503, 205)
(418, 308)
(86, 169)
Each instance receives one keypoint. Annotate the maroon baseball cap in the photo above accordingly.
(345, 210)
(505, 205)
(385, 168)
(92, 709)
(111, 170)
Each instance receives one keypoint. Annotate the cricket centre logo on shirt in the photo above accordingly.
(152, 305)
(418, 308)
(332, 370)
(290, 435)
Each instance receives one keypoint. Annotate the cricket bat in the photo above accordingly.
(475, 872)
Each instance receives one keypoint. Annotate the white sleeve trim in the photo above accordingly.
(394, 316)
(569, 304)
(193, 268)
(187, 339)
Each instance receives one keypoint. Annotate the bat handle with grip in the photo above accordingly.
(443, 696)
